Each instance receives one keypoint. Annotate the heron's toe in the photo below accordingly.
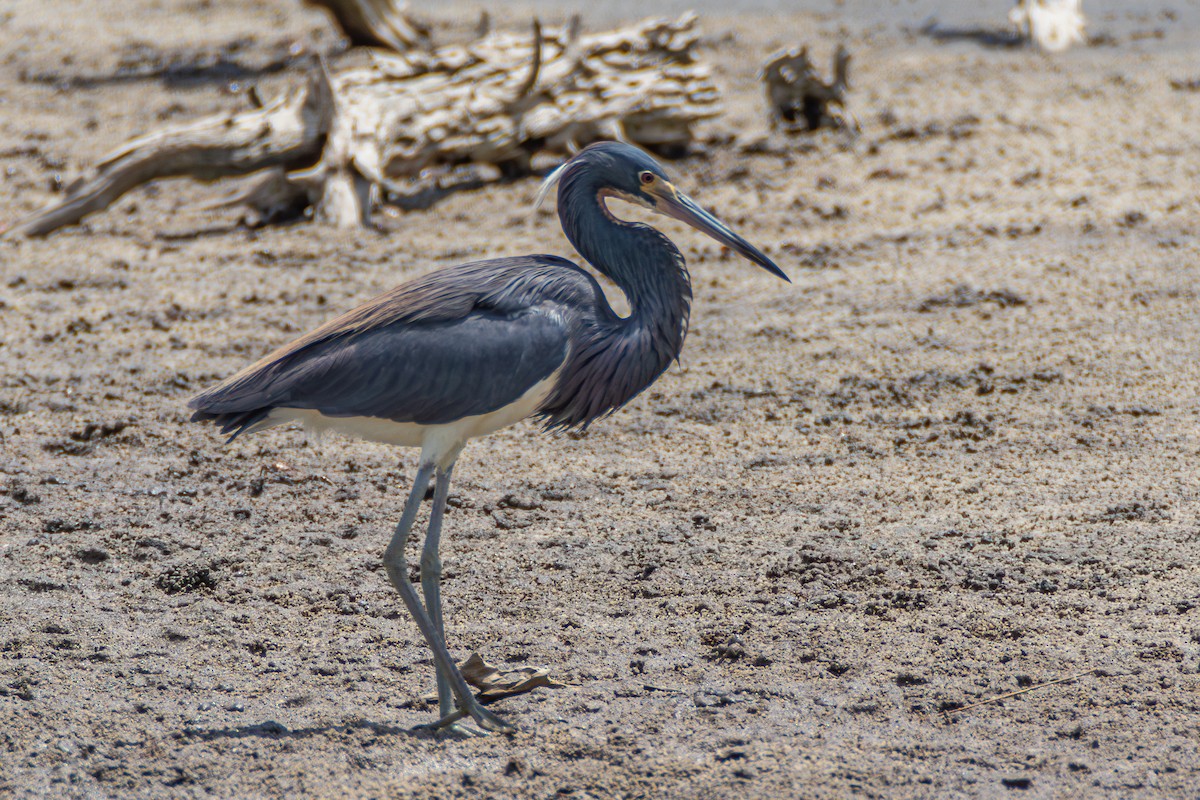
(474, 720)
(466, 729)
(490, 721)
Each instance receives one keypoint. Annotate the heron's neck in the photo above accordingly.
(643, 262)
(613, 359)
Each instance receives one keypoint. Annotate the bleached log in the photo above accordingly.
(405, 119)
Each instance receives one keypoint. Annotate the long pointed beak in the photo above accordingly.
(681, 207)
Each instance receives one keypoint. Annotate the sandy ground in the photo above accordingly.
(956, 458)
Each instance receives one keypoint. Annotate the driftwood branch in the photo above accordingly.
(800, 100)
(287, 132)
(375, 23)
(535, 62)
(408, 123)
(273, 197)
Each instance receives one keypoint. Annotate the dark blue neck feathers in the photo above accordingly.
(642, 261)
(613, 359)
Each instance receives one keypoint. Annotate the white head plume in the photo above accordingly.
(547, 185)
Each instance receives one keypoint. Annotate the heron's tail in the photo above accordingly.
(234, 423)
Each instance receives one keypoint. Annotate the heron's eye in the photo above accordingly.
(646, 177)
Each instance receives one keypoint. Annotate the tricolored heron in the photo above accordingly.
(466, 350)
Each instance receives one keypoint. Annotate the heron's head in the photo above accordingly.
(623, 171)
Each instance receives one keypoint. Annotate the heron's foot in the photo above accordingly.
(485, 721)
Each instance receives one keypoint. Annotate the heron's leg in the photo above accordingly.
(397, 570)
(431, 577)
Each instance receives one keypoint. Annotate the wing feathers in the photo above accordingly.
(458, 342)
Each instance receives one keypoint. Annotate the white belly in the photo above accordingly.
(437, 441)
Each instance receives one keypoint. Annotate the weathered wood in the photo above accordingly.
(477, 102)
(407, 120)
(375, 23)
(799, 99)
(288, 132)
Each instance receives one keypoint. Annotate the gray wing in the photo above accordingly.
(429, 373)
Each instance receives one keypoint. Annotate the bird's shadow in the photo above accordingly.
(270, 729)
(981, 35)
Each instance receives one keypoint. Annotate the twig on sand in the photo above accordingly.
(649, 687)
(1027, 689)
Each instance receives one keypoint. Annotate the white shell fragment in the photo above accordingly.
(1054, 25)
